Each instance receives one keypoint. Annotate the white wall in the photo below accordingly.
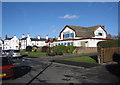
(38, 43)
(23, 44)
(14, 43)
(100, 30)
(6, 45)
(1, 44)
(67, 29)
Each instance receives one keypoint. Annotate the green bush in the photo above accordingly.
(45, 49)
(51, 54)
(59, 48)
(70, 48)
(34, 49)
(39, 49)
(110, 43)
(58, 53)
(28, 48)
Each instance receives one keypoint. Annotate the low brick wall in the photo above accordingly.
(85, 50)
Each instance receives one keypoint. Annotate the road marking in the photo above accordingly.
(69, 65)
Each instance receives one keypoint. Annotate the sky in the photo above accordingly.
(49, 18)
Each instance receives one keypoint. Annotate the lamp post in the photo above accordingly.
(49, 47)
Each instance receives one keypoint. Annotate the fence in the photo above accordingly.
(108, 54)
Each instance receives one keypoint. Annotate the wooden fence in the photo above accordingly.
(108, 54)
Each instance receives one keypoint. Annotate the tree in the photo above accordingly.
(28, 48)
(116, 37)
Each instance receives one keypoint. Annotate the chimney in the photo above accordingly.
(23, 36)
(28, 35)
(39, 37)
(14, 36)
(6, 37)
(46, 37)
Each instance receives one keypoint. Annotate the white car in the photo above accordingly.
(14, 54)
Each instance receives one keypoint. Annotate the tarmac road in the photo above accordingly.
(27, 69)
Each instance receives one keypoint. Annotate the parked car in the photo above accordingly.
(14, 54)
(6, 68)
(5, 52)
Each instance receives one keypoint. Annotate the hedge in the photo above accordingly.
(110, 43)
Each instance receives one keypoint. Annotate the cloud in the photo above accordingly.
(53, 31)
(67, 16)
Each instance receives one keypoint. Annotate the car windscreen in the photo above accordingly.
(16, 50)
(5, 61)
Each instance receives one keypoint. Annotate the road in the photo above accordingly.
(27, 68)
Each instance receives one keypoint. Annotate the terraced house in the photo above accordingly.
(80, 36)
(28, 41)
(16, 44)
(1, 44)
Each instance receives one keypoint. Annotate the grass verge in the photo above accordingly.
(37, 54)
(34, 54)
(86, 59)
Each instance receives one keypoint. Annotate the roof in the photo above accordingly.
(84, 31)
(24, 38)
(36, 39)
(8, 38)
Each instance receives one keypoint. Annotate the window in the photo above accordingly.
(68, 44)
(100, 34)
(64, 43)
(68, 35)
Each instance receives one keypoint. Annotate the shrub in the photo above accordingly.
(39, 49)
(110, 43)
(51, 54)
(34, 49)
(70, 48)
(45, 49)
(59, 48)
(59, 53)
(28, 48)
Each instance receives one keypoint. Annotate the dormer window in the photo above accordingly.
(100, 34)
(67, 35)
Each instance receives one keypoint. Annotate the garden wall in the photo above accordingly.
(85, 50)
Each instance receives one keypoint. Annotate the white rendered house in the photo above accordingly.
(1, 44)
(80, 36)
(28, 41)
(11, 43)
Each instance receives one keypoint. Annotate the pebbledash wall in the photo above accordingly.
(70, 35)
